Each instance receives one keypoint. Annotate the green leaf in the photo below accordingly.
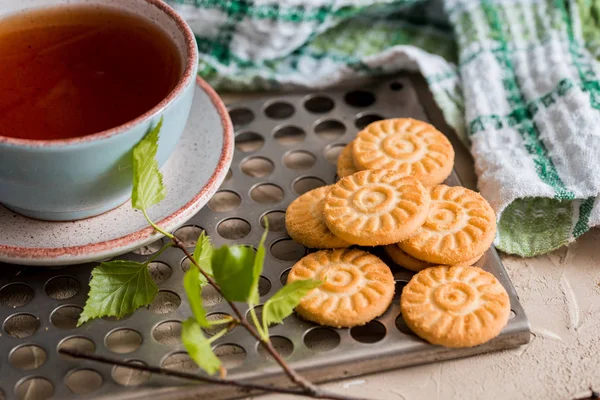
(203, 256)
(198, 347)
(148, 188)
(282, 304)
(259, 261)
(233, 269)
(193, 291)
(117, 289)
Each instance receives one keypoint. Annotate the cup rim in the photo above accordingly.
(185, 80)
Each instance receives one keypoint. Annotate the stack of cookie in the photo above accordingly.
(390, 194)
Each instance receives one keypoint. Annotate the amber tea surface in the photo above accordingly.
(72, 71)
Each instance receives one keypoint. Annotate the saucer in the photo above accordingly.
(192, 175)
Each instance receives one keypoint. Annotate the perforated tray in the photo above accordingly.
(285, 146)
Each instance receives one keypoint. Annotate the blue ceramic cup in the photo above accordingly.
(69, 179)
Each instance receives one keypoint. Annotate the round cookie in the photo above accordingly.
(305, 224)
(455, 306)
(406, 145)
(358, 287)
(461, 225)
(414, 264)
(345, 164)
(376, 207)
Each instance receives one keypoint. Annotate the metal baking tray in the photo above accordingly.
(285, 146)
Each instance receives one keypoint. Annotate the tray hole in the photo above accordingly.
(231, 355)
(123, 341)
(21, 325)
(62, 287)
(189, 234)
(299, 160)
(512, 315)
(319, 104)
(65, 317)
(258, 310)
(229, 174)
(257, 167)
(398, 290)
(130, 377)
(180, 362)
(332, 153)
(359, 98)
(276, 220)
(330, 129)
(83, 381)
(234, 228)
(159, 271)
(396, 86)
(210, 296)
(322, 339)
(149, 248)
(167, 333)
(36, 388)
(282, 345)
(15, 295)
(249, 142)
(224, 201)
(165, 302)
(264, 286)
(363, 121)
(27, 357)
(213, 330)
(267, 193)
(307, 184)
(279, 110)
(402, 327)
(241, 117)
(77, 343)
(287, 250)
(284, 276)
(372, 332)
(289, 135)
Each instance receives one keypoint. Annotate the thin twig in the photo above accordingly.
(310, 389)
(248, 386)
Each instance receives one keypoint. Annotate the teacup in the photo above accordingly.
(76, 178)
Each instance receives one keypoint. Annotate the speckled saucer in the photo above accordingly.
(192, 175)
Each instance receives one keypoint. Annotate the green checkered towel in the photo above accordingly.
(517, 79)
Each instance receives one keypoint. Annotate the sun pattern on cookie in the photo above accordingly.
(358, 287)
(406, 145)
(407, 261)
(455, 306)
(461, 225)
(345, 163)
(376, 207)
(305, 224)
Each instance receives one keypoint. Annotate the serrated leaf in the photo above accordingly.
(282, 304)
(193, 291)
(203, 256)
(148, 188)
(233, 269)
(198, 347)
(257, 269)
(117, 289)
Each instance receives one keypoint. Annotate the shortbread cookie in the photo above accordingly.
(358, 287)
(406, 145)
(461, 225)
(455, 306)
(345, 164)
(378, 207)
(305, 224)
(407, 261)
